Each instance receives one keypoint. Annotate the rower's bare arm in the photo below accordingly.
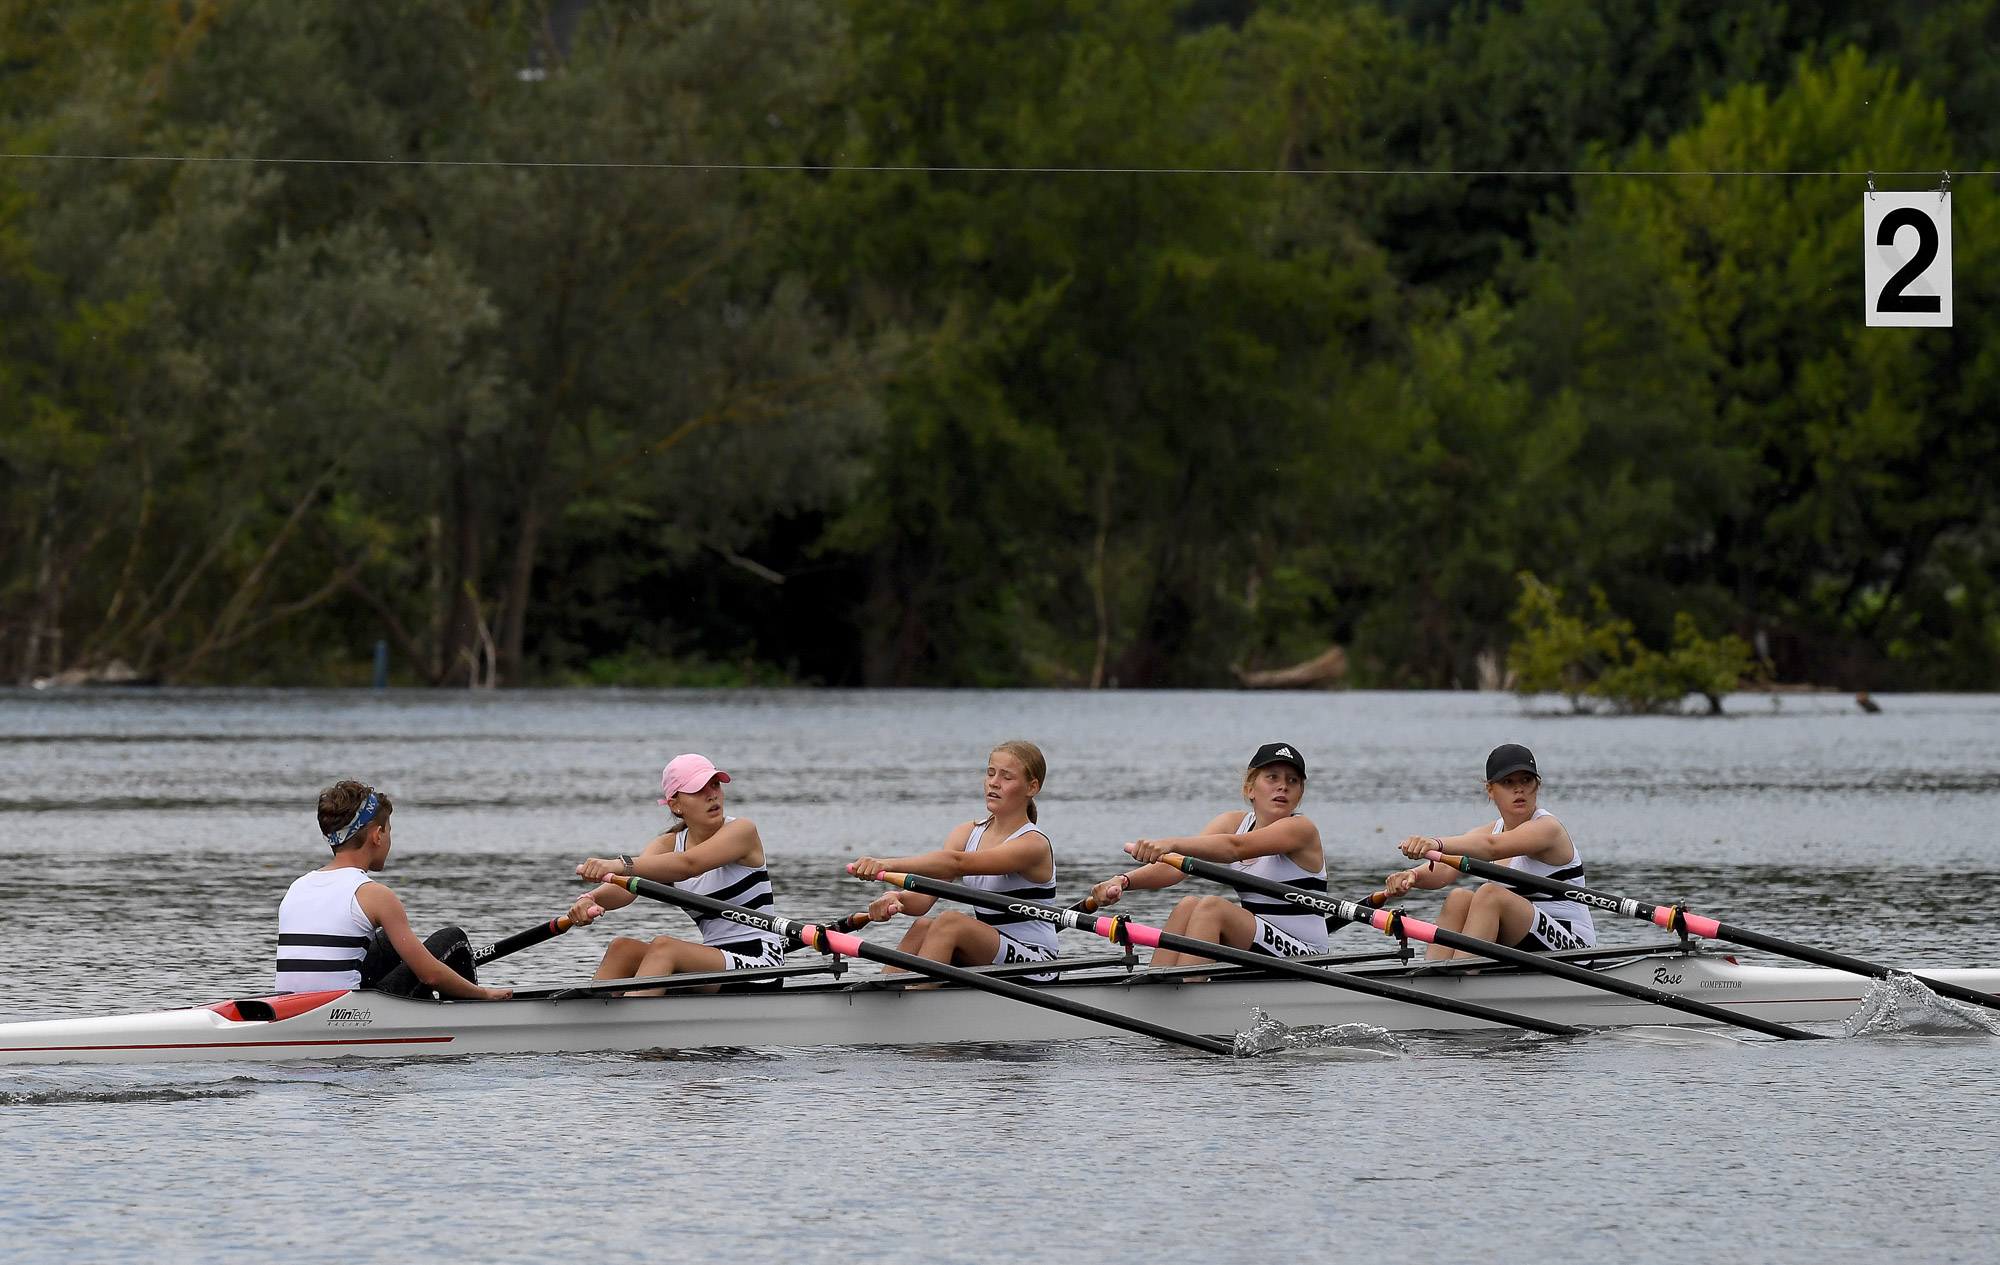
(942, 863)
(1294, 836)
(1475, 843)
(737, 843)
(1544, 839)
(1141, 878)
(386, 912)
(1426, 875)
(607, 897)
(609, 867)
(1029, 856)
(599, 900)
(891, 903)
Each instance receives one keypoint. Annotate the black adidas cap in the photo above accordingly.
(1508, 759)
(1279, 753)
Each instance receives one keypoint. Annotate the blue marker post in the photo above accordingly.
(381, 665)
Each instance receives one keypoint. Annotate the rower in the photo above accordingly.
(339, 928)
(705, 852)
(1271, 840)
(1528, 838)
(1007, 852)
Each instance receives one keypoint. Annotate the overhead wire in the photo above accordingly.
(993, 170)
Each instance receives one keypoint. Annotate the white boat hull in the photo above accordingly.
(363, 1024)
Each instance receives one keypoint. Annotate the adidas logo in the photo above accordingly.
(1286, 751)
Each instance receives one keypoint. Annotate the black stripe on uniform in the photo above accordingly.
(992, 919)
(1314, 884)
(324, 942)
(751, 948)
(1567, 874)
(319, 964)
(740, 886)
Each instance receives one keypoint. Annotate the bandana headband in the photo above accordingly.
(362, 816)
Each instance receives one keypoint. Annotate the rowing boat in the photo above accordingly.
(829, 1008)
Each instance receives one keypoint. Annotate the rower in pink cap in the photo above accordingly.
(706, 852)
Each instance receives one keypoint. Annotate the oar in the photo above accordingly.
(521, 940)
(829, 941)
(1398, 925)
(1123, 930)
(1674, 918)
(1088, 905)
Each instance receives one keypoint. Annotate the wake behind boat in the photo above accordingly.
(888, 1011)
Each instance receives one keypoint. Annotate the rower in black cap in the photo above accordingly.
(1271, 841)
(1526, 838)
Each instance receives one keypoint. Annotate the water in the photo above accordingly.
(149, 835)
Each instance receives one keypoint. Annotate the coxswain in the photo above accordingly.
(706, 852)
(1007, 852)
(339, 928)
(1270, 840)
(1526, 838)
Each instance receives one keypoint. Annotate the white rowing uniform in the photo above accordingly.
(1559, 924)
(322, 932)
(1283, 930)
(1022, 939)
(745, 885)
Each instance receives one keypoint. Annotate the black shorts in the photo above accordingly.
(745, 955)
(384, 970)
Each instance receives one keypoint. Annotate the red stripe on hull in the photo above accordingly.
(227, 1045)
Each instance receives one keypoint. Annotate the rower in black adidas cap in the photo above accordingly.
(1271, 840)
(1527, 838)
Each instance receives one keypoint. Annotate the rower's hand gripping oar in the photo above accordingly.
(521, 940)
(1396, 924)
(1122, 930)
(829, 941)
(1677, 919)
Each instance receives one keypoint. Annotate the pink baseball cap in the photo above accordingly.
(687, 773)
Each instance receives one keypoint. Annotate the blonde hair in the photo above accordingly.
(1032, 763)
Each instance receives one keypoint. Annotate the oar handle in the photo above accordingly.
(521, 940)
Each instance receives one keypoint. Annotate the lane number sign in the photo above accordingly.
(1906, 246)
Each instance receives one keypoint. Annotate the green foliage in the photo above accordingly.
(1596, 659)
(1559, 653)
(906, 425)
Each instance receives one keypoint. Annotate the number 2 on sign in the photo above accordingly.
(1906, 253)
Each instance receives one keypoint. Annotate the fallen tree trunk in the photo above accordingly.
(1321, 672)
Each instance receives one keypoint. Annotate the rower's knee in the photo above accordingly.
(950, 928)
(625, 944)
(1457, 901)
(1489, 894)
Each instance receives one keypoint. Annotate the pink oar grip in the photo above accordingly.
(1148, 937)
(838, 941)
(1421, 932)
(1706, 928)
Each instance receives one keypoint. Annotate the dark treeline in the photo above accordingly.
(766, 417)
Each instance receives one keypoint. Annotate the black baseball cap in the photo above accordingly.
(1511, 758)
(1279, 753)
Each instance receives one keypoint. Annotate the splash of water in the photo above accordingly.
(1901, 1006)
(1266, 1035)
